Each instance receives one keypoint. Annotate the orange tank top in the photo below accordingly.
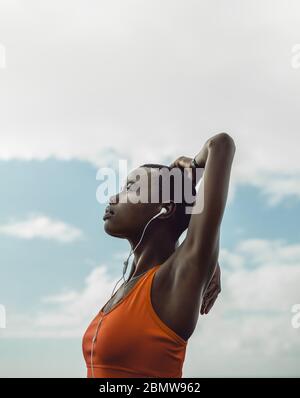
(132, 341)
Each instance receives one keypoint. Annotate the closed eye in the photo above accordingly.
(126, 187)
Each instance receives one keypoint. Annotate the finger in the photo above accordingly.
(183, 163)
(210, 289)
(212, 299)
(205, 302)
(210, 294)
(203, 307)
(211, 286)
(174, 163)
(210, 304)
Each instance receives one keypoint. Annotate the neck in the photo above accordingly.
(151, 251)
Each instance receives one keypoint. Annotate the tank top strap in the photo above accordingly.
(140, 294)
(145, 284)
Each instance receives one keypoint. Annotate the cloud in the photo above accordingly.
(73, 310)
(42, 227)
(149, 84)
(249, 325)
(66, 314)
(230, 260)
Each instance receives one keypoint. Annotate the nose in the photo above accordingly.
(114, 199)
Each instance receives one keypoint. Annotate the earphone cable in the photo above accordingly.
(125, 284)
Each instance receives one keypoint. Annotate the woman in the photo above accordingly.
(143, 330)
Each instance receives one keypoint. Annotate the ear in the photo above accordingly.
(171, 208)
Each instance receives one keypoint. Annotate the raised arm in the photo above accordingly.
(198, 254)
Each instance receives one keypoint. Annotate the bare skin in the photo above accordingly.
(188, 280)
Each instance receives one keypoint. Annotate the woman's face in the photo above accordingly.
(131, 208)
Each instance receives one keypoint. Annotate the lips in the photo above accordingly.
(108, 213)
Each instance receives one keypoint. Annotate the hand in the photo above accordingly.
(212, 291)
(183, 162)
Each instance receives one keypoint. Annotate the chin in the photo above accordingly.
(109, 229)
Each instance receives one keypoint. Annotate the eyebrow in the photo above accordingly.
(132, 178)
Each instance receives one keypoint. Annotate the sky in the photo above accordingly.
(83, 87)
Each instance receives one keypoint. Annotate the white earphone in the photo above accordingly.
(163, 210)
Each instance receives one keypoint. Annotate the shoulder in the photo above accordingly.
(176, 297)
(180, 270)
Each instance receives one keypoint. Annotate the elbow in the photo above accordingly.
(223, 140)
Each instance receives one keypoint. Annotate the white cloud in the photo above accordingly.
(66, 314)
(248, 327)
(230, 260)
(40, 226)
(250, 324)
(147, 81)
(269, 252)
